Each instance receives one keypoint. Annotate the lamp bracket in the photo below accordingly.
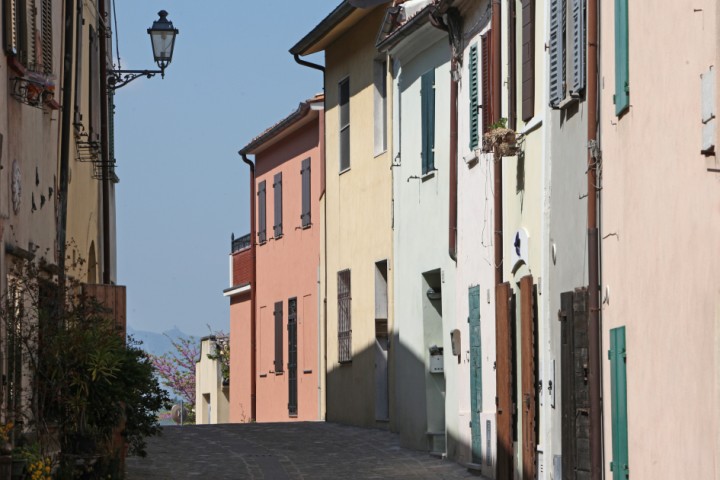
(120, 78)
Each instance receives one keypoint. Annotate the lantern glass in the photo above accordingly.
(162, 35)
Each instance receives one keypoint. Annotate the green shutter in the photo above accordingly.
(427, 94)
(620, 465)
(474, 117)
(622, 69)
(475, 372)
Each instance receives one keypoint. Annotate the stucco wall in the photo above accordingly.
(660, 235)
(240, 357)
(211, 398)
(358, 224)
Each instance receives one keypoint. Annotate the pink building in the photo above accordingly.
(286, 370)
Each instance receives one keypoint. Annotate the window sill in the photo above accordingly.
(344, 171)
(533, 124)
(428, 175)
(305, 227)
(345, 362)
(382, 152)
(306, 372)
(277, 374)
(278, 237)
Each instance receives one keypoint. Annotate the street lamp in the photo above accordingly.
(162, 36)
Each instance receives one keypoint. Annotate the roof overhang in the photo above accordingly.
(236, 290)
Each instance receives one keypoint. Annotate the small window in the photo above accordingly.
(278, 336)
(262, 221)
(427, 94)
(277, 216)
(528, 59)
(344, 317)
(344, 111)
(567, 51)
(380, 105)
(305, 178)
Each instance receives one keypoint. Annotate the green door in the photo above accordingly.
(620, 465)
(475, 372)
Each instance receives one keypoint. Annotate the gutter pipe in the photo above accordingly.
(594, 334)
(305, 63)
(253, 293)
(66, 132)
(496, 106)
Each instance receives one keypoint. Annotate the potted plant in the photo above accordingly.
(500, 140)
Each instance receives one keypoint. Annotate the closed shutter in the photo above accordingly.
(427, 93)
(344, 106)
(344, 317)
(94, 84)
(557, 60)
(47, 37)
(305, 177)
(476, 392)
(278, 336)
(620, 465)
(277, 215)
(528, 59)
(262, 222)
(78, 63)
(474, 98)
(622, 68)
(11, 27)
(486, 97)
(577, 83)
(528, 370)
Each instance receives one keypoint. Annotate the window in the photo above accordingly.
(380, 104)
(32, 48)
(344, 104)
(473, 91)
(622, 55)
(262, 222)
(305, 178)
(567, 51)
(78, 63)
(344, 317)
(278, 336)
(292, 358)
(528, 59)
(277, 215)
(427, 96)
(94, 85)
(620, 466)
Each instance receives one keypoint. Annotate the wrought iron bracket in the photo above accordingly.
(120, 78)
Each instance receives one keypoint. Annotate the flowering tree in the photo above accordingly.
(177, 369)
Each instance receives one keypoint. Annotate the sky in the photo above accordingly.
(183, 187)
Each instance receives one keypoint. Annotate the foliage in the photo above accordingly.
(73, 377)
(177, 369)
(502, 123)
(221, 353)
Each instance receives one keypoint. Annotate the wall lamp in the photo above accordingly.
(162, 35)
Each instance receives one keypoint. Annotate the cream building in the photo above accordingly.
(212, 389)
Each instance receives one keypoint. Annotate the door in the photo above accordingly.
(504, 377)
(528, 358)
(475, 373)
(292, 358)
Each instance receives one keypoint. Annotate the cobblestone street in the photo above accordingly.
(285, 451)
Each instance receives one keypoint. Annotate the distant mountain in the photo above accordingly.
(157, 343)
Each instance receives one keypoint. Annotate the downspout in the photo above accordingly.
(321, 323)
(594, 333)
(253, 294)
(67, 130)
(495, 87)
(105, 146)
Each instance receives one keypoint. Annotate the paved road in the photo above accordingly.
(282, 451)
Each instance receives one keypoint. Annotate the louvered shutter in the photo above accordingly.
(528, 59)
(94, 84)
(262, 222)
(78, 62)
(577, 83)
(277, 215)
(47, 37)
(427, 94)
(11, 27)
(305, 177)
(486, 97)
(474, 98)
(278, 336)
(620, 465)
(622, 68)
(557, 60)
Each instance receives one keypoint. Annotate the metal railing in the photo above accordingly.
(240, 243)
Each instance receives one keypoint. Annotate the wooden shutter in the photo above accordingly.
(277, 215)
(475, 373)
(474, 98)
(577, 83)
(557, 60)
(620, 465)
(486, 96)
(78, 63)
(622, 58)
(292, 358)
(427, 94)
(504, 378)
(278, 336)
(528, 59)
(305, 177)
(262, 222)
(528, 376)
(11, 26)
(47, 37)
(94, 84)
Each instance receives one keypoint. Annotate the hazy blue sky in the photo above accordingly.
(183, 188)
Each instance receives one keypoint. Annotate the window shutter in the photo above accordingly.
(557, 61)
(262, 222)
(278, 336)
(47, 36)
(528, 59)
(344, 317)
(622, 68)
(474, 100)
(11, 27)
(277, 215)
(620, 465)
(94, 84)
(344, 106)
(577, 84)
(78, 63)
(305, 176)
(427, 94)
(486, 98)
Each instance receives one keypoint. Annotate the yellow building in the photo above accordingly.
(356, 244)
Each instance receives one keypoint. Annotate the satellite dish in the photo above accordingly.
(178, 413)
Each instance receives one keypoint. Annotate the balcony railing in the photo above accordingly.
(240, 243)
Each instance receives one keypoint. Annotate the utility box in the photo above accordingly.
(436, 359)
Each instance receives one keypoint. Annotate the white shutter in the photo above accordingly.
(555, 81)
(577, 84)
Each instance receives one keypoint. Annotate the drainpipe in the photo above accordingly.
(594, 334)
(253, 293)
(67, 130)
(105, 146)
(305, 63)
(496, 106)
